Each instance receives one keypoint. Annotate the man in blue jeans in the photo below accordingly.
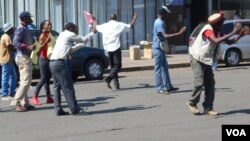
(7, 51)
(162, 78)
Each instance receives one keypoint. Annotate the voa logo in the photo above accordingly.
(236, 132)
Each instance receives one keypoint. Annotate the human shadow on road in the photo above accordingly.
(231, 68)
(86, 81)
(224, 90)
(121, 109)
(141, 86)
(243, 111)
(94, 101)
(216, 90)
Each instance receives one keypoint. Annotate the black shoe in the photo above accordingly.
(30, 107)
(173, 89)
(80, 112)
(61, 113)
(107, 82)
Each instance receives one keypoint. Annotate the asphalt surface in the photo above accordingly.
(135, 112)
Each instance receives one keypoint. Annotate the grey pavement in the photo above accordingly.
(175, 60)
(135, 112)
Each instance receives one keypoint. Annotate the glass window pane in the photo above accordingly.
(69, 11)
(30, 5)
(56, 15)
(100, 14)
(112, 7)
(139, 29)
(9, 13)
(1, 13)
(83, 5)
(126, 16)
(150, 12)
(42, 11)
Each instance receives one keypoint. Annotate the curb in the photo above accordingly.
(151, 67)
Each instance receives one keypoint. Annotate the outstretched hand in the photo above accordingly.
(182, 30)
(245, 30)
(237, 27)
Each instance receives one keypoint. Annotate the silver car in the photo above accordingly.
(232, 54)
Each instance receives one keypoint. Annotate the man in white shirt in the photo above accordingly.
(111, 32)
(67, 42)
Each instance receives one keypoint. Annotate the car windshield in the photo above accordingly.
(228, 27)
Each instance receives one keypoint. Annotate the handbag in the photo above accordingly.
(34, 56)
(51, 46)
(164, 45)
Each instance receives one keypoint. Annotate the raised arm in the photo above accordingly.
(167, 35)
(132, 23)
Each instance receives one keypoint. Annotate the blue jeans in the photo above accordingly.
(9, 79)
(63, 81)
(45, 76)
(162, 77)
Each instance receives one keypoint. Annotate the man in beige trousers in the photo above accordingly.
(24, 44)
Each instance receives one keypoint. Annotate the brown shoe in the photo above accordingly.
(20, 108)
(211, 113)
(193, 109)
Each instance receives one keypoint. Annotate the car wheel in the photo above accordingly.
(94, 69)
(232, 58)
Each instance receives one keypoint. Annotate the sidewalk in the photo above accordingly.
(174, 61)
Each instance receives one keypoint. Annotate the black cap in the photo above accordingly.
(24, 14)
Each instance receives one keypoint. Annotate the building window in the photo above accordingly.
(56, 15)
(42, 11)
(1, 13)
(126, 14)
(139, 30)
(69, 11)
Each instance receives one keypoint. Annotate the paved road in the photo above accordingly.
(134, 113)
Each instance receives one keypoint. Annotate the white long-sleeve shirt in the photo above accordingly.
(67, 42)
(111, 32)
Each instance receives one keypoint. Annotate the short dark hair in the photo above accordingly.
(162, 11)
(69, 26)
(113, 17)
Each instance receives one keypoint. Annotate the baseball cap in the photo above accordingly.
(7, 27)
(166, 8)
(24, 14)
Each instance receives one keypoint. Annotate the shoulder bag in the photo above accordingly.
(164, 45)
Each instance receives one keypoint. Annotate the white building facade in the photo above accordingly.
(60, 12)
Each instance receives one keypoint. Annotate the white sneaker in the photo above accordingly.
(5, 98)
(11, 98)
(193, 109)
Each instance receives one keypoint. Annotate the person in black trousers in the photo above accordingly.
(111, 32)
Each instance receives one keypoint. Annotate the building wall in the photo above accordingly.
(63, 11)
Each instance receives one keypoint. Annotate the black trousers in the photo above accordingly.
(115, 58)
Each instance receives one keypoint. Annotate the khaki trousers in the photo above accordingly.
(24, 64)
